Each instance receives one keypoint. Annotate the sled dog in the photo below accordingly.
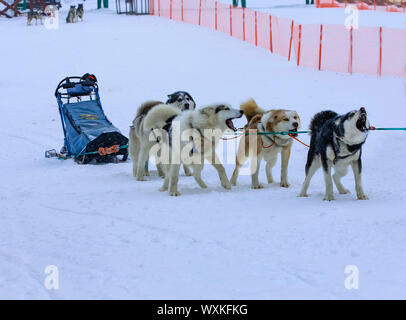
(336, 141)
(267, 147)
(71, 15)
(79, 12)
(139, 136)
(37, 15)
(196, 132)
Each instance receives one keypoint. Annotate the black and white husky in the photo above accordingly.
(336, 141)
(79, 12)
(71, 18)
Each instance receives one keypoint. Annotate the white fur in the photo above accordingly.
(157, 117)
(197, 122)
(139, 136)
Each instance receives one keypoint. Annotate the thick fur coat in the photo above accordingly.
(336, 142)
(267, 147)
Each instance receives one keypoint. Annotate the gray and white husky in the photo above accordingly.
(37, 15)
(190, 137)
(139, 145)
(79, 12)
(71, 18)
(336, 142)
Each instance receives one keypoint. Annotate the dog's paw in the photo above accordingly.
(175, 193)
(163, 189)
(285, 185)
(259, 186)
(303, 195)
(141, 179)
(344, 191)
(362, 197)
(270, 181)
(328, 197)
(201, 184)
(226, 185)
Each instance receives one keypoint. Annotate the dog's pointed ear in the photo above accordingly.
(220, 108)
(189, 96)
(171, 98)
(270, 118)
(208, 111)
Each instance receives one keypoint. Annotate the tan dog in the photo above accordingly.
(266, 147)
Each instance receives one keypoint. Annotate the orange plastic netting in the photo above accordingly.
(367, 50)
(382, 5)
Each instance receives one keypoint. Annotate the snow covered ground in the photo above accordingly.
(113, 237)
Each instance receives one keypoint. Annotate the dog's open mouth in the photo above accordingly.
(361, 123)
(230, 124)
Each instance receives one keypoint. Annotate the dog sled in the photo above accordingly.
(89, 137)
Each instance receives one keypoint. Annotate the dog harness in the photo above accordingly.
(168, 128)
(352, 148)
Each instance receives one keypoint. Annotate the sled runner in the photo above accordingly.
(89, 135)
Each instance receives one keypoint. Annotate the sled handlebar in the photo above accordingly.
(67, 83)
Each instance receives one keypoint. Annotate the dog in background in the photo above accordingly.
(37, 15)
(336, 142)
(30, 17)
(79, 12)
(213, 119)
(140, 145)
(267, 146)
(71, 15)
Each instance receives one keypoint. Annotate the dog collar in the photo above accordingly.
(336, 148)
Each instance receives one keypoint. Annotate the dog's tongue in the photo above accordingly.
(230, 124)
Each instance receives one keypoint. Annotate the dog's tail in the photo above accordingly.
(146, 107)
(251, 109)
(158, 116)
(320, 119)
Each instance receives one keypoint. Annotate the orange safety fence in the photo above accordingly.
(366, 50)
(381, 5)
